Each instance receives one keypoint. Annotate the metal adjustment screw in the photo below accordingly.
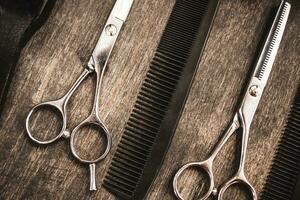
(111, 30)
(254, 90)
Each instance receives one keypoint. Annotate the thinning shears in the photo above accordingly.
(96, 64)
(245, 113)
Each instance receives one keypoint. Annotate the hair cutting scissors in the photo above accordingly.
(244, 116)
(97, 64)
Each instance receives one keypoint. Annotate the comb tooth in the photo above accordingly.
(146, 108)
(163, 74)
(280, 164)
(125, 177)
(154, 80)
(129, 160)
(147, 97)
(134, 135)
(155, 86)
(164, 67)
(160, 86)
(288, 152)
(276, 194)
(142, 124)
(175, 62)
(285, 170)
(122, 169)
(149, 116)
(112, 183)
(135, 150)
(127, 164)
(169, 57)
(145, 119)
(132, 154)
(161, 99)
(142, 121)
(139, 130)
(138, 138)
(281, 179)
(138, 145)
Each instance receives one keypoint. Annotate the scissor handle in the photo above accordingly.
(239, 178)
(205, 166)
(58, 106)
(89, 122)
(94, 120)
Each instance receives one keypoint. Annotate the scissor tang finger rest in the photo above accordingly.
(92, 120)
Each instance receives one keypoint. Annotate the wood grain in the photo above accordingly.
(53, 59)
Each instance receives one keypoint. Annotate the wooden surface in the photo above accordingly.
(53, 59)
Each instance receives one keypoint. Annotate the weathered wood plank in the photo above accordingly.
(54, 57)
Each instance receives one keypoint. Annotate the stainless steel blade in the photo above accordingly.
(269, 52)
(121, 9)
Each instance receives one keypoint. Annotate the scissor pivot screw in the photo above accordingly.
(111, 30)
(254, 90)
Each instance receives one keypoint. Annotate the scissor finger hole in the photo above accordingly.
(90, 142)
(44, 123)
(237, 189)
(193, 183)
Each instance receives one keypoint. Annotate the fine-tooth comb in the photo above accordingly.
(283, 181)
(154, 118)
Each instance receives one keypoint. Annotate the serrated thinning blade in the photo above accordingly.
(269, 51)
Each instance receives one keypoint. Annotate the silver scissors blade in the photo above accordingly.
(110, 33)
(264, 64)
(269, 51)
(122, 9)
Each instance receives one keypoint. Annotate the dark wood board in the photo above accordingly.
(54, 58)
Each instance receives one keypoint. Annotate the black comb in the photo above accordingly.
(153, 121)
(283, 181)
